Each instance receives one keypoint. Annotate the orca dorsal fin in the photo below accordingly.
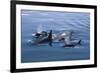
(50, 38)
(79, 42)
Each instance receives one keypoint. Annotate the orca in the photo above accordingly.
(72, 44)
(45, 39)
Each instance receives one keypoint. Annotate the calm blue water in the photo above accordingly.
(58, 22)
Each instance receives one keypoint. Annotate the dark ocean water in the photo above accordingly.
(58, 22)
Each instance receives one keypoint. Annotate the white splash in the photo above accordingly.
(39, 28)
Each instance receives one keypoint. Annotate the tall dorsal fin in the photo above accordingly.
(50, 38)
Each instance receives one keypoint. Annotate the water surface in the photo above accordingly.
(58, 22)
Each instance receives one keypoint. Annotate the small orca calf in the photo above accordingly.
(72, 44)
